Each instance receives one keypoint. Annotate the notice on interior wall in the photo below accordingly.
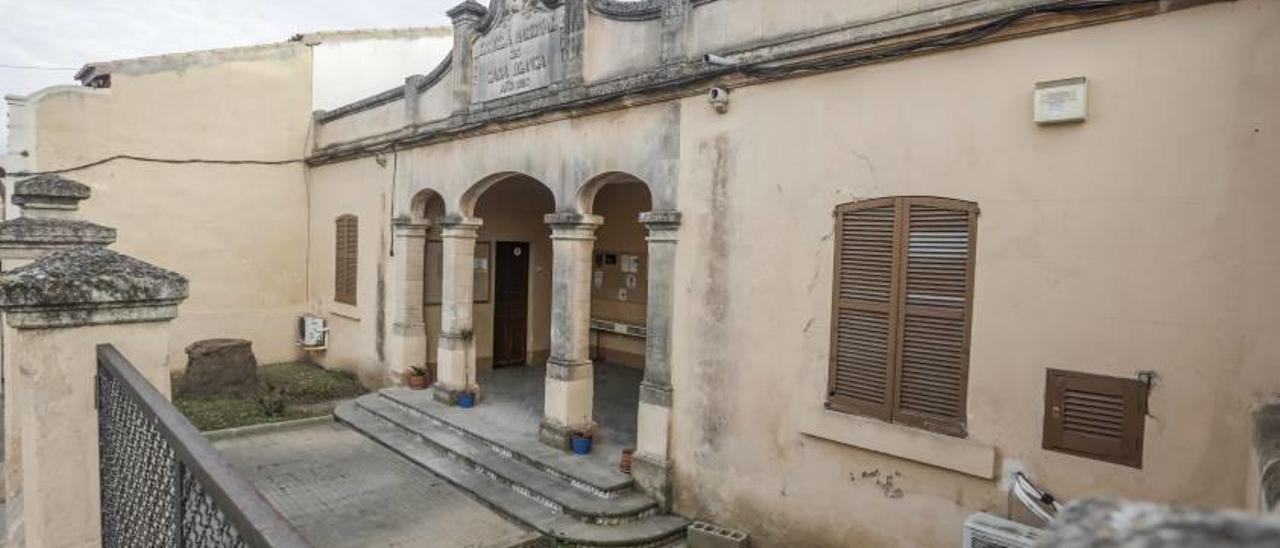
(619, 276)
(630, 263)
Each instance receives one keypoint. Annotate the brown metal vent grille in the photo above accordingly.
(1095, 416)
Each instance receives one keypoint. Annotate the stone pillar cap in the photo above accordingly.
(53, 232)
(49, 189)
(89, 285)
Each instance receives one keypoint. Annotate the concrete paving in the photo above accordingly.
(512, 406)
(341, 489)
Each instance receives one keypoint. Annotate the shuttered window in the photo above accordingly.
(1095, 416)
(346, 255)
(901, 310)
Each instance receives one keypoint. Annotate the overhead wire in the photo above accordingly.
(770, 69)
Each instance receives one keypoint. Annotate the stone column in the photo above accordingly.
(651, 465)
(407, 329)
(567, 407)
(465, 17)
(456, 353)
(48, 222)
(675, 36)
(57, 310)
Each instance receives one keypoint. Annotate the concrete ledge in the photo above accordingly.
(252, 429)
(961, 455)
(343, 310)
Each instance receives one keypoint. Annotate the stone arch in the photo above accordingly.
(585, 200)
(427, 206)
(466, 205)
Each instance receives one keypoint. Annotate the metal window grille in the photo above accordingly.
(162, 483)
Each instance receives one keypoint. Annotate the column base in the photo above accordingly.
(444, 395)
(653, 476)
(558, 435)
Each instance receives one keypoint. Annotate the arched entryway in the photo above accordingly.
(619, 289)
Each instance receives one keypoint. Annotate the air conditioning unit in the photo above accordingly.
(982, 530)
(313, 334)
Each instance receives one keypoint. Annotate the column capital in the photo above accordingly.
(568, 225)
(661, 219)
(571, 219)
(457, 226)
(662, 224)
(408, 228)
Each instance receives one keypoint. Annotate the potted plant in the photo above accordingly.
(624, 464)
(580, 443)
(467, 400)
(418, 376)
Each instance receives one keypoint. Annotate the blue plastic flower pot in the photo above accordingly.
(466, 400)
(580, 446)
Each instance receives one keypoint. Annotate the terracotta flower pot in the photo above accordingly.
(624, 464)
(417, 382)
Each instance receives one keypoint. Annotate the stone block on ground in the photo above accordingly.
(220, 367)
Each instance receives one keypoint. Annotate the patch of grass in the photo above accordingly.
(301, 382)
(296, 390)
(218, 413)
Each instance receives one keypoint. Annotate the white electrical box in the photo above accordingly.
(1061, 101)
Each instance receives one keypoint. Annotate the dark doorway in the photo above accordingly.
(511, 303)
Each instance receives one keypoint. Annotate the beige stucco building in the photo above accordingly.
(724, 199)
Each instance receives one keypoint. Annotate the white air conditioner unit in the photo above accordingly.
(312, 333)
(982, 530)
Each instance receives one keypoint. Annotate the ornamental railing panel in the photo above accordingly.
(162, 483)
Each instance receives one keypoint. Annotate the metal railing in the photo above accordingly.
(163, 484)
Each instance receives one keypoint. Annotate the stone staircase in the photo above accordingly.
(568, 499)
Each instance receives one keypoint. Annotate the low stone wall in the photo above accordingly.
(1115, 524)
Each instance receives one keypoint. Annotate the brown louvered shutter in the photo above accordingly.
(1095, 416)
(861, 376)
(934, 337)
(902, 309)
(346, 253)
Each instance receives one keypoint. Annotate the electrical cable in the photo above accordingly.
(110, 159)
(954, 39)
(35, 67)
(764, 69)
(1033, 498)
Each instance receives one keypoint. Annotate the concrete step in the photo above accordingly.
(585, 474)
(552, 490)
(564, 529)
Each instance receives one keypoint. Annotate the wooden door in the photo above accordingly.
(510, 303)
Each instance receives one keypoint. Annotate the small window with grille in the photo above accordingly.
(1095, 416)
(901, 311)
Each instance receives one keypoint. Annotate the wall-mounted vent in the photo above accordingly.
(983, 530)
(1095, 416)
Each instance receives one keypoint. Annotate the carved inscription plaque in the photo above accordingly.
(519, 53)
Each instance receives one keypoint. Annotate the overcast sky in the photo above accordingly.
(66, 34)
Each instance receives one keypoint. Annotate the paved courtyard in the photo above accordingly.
(341, 489)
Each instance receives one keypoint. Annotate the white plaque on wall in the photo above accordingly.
(519, 53)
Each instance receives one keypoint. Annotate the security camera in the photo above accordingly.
(718, 61)
(719, 99)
